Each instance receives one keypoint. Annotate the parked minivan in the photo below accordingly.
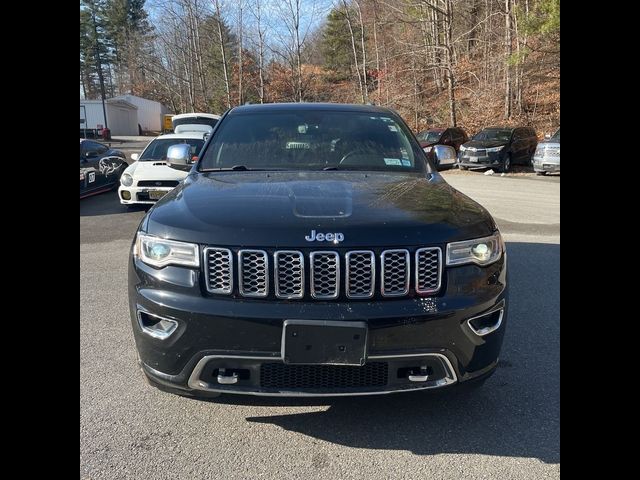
(499, 148)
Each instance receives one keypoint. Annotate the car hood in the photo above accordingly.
(550, 143)
(279, 209)
(154, 171)
(484, 143)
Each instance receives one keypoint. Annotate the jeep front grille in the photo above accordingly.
(394, 281)
(253, 267)
(401, 271)
(219, 274)
(289, 274)
(325, 275)
(360, 274)
(428, 270)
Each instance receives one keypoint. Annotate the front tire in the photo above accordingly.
(506, 165)
(462, 168)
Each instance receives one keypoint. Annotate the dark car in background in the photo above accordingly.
(100, 167)
(312, 250)
(453, 137)
(499, 148)
(547, 156)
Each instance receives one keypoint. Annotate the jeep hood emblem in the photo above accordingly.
(324, 237)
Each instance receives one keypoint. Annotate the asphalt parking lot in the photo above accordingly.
(508, 429)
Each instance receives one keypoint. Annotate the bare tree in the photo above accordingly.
(227, 86)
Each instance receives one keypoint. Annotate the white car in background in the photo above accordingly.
(194, 118)
(149, 178)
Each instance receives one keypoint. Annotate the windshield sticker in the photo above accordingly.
(406, 163)
(403, 152)
(393, 128)
(392, 161)
(385, 119)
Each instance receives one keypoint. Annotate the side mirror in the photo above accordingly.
(444, 155)
(547, 135)
(135, 157)
(179, 156)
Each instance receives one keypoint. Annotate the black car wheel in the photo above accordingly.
(506, 165)
(541, 173)
(461, 167)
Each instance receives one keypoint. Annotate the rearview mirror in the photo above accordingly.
(444, 155)
(179, 156)
(135, 157)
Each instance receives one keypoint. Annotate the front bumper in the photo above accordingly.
(140, 195)
(545, 164)
(243, 337)
(471, 159)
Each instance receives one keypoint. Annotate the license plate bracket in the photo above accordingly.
(324, 342)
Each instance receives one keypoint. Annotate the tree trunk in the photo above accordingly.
(507, 68)
(240, 96)
(448, 37)
(353, 47)
(364, 54)
(375, 43)
(224, 55)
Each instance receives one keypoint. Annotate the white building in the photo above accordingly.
(122, 116)
(150, 112)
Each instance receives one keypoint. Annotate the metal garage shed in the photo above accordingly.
(150, 112)
(122, 116)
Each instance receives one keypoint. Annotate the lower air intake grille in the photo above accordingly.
(283, 376)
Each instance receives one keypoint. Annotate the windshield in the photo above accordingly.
(157, 149)
(313, 140)
(493, 134)
(556, 136)
(429, 136)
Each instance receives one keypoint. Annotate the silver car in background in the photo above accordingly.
(547, 156)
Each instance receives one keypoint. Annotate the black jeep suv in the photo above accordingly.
(314, 250)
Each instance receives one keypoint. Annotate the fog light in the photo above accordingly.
(156, 327)
(126, 195)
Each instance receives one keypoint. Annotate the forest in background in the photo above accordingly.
(470, 63)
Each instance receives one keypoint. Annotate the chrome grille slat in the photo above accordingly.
(428, 269)
(325, 275)
(396, 269)
(289, 274)
(360, 274)
(253, 273)
(219, 278)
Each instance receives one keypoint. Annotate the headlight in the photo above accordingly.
(427, 149)
(495, 149)
(159, 252)
(462, 148)
(126, 180)
(481, 251)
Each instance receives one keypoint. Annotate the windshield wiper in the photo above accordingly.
(240, 168)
